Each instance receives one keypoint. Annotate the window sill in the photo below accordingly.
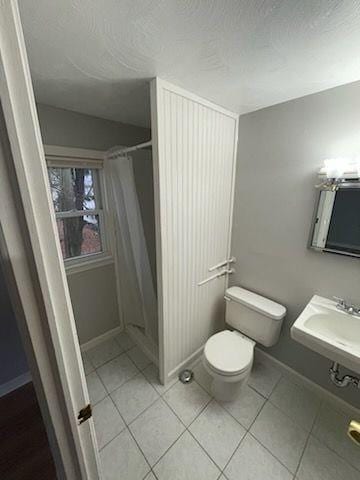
(88, 263)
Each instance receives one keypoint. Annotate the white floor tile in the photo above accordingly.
(104, 352)
(330, 428)
(96, 389)
(88, 367)
(139, 357)
(125, 341)
(186, 461)
(108, 422)
(263, 378)
(279, 434)
(122, 459)
(202, 377)
(152, 374)
(187, 400)
(134, 397)
(246, 406)
(252, 461)
(299, 403)
(156, 430)
(218, 433)
(321, 463)
(116, 372)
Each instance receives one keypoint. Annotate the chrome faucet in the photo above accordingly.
(347, 307)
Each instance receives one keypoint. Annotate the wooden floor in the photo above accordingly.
(24, 449)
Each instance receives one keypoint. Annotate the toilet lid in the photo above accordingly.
(229, 353)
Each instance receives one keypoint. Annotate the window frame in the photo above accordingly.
(65, 157)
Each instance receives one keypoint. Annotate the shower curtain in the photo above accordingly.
(137, 294)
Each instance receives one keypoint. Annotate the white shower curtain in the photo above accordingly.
(138, 300)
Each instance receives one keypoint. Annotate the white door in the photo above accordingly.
(39, 275)
(194, 143)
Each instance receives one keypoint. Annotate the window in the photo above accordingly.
(78, 208)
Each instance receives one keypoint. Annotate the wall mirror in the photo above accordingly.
(336, 226)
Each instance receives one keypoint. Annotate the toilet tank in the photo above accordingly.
(255, 316)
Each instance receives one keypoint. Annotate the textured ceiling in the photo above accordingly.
(97, 56)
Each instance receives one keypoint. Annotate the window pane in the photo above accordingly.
(72, 189)
(79, 235)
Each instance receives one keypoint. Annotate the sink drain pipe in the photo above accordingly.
(342, 381)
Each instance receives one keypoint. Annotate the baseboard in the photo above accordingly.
(304, 381)
(187, 363)
(94, 342)
(15, 383)
(143, 343)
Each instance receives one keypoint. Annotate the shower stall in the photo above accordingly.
(173, 225)
(128, 173)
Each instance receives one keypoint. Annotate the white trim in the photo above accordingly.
(34, 256)
(94, 342)
(304, 381)
(78, 213)
(15, 383)
(143, 343)
(88, 262)
(104, 257)
(189, 362)
(71, 152)
(195, 98)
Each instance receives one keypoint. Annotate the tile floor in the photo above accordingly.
(276, 429)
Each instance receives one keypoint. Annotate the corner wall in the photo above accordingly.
(93, 292)
(281, 148)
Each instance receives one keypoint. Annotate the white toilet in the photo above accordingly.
(228, 355)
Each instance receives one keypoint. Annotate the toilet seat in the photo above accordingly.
(229, 353)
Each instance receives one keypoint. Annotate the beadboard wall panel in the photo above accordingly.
(194, 145)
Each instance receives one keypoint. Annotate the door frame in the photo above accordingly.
(34, 267)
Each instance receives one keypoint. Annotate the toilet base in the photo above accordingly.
(227, 391)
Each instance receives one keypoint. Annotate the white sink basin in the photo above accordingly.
(329, 331)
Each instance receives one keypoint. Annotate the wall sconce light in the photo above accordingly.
(340, 168)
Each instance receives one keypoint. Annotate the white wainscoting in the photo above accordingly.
(194, 154)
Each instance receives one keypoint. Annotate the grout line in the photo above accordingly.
(302, 455)
(271, 453)
(236, 449)
(131, 434)
(203, 449)
(172, 444)
(147, 408)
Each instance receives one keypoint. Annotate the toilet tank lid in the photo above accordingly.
(257, 302)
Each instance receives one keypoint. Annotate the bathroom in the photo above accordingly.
(203, 252)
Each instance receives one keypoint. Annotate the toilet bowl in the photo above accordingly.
(228, 355)
(231, 371)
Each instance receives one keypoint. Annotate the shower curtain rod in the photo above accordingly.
(120, 151)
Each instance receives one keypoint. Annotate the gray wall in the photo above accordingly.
(73, 129)
(93, 295)
(281, 148)
(13, 361)
(93, 292)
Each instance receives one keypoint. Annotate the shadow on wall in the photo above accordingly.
(12, 356)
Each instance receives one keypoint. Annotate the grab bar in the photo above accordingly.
(228, 271)
(222, 264)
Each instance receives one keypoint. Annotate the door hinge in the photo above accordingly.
(84, 414)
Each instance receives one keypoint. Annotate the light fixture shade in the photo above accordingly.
(341, 168)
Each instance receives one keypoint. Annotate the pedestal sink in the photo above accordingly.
(324, 328)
